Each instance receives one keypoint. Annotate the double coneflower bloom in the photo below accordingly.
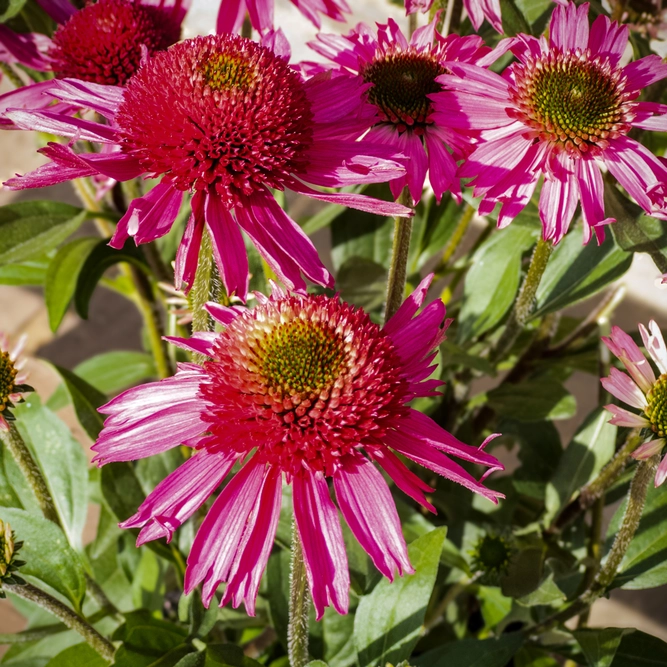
(303, 390)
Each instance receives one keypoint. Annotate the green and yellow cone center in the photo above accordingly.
(7, 379)
(656, 411)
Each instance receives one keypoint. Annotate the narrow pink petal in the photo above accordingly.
(228, 246)
(661, 472)
(655, 344)
(620, 385)
(558, 201)
(623, 417)
(22, 48)
(608, 39)
(409, 307)
(58, 10)
(63, 125)
(217, 541)
(230, 16)
(645, 71)
(322, 540)
(441, 167)
(568, 29)
(188, 251)
(622, 346)
(591, 189)
(34, 96)
(200, 342)
(223, 314)
(414, 6)
(177, 497)
(104, 99)
(261, 14)
(253, 554)
(366, 503)
(648, 449)
(403, 477)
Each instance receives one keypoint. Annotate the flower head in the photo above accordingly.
(403, 76)
(563, 110)
(104, 42)
(12, 380)
(641, 389)
(491, 555)
(304, 389)
(9, 564)
(227, 119)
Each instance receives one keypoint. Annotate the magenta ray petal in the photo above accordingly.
(623, 417)
(655, 344)
(620, 385)
(201, 342)
(58, 10)
(188, 251)
(23, 49)
(223, 314)
(228, 247)
(408, 309)
(35, 96)
(253, 554)
(366, 503)
(104, 99)
(217, 541)
(62, 125)
(412, 485)
(322, 540)
(179, 495)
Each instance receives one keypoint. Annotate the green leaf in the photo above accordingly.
(634, 231)
(645, 562)
(388, 622)
(115, 371)
(86, 400)
(473, 652)
(338, 636)
(492, 282)
(121, 489)
(30, 228)
(547, 593)
(599, 645)
(49, 558)
(30, 272)
(10, 8)
(79, 655)
(228, 655)
(590, 449)
(638, 649)
(433, 227)
(514, 21)
(493, 604)
(524, 573)
(535, 400)
(101, 258)
(576, 272)
(62, 277)
(61, 460)
(362, 282)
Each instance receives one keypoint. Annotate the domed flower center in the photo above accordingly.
(401, 83)
(218, 113)
(656, 412)
(103, 42)
(7, 377)
(313, 377)
(572, 100)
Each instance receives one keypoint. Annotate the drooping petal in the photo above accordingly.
(655, 344)
(620, 385)
(366, 503)
(177, 497)
(188, 251)
(622, 346)
(623, 417)
(661, 472)
(322, 540)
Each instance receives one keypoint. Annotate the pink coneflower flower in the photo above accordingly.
(102, 43)
(564, 110)
(641, 389)
(304, 389)
(260, 12)
(477, 11)
(12, 379)
(403, 76)
(226, 119)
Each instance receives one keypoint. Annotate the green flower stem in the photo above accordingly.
(297, 629)
(33, 475)
(30, 470)
(455, 240)
(633, 513)
(593, 491)
(71, 619)
(144, 298)
(398, 268)
(9, 72)
(525, 302)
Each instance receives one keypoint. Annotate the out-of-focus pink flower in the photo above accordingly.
(104, 42)
(227, 119)
(12, 379)
(641, 389)
(403, 77)
(564, 110)
(477, 11)
(305, 389)
(232, 13)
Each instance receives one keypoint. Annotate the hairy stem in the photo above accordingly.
(9, 72)
(398, 268)
(70, 618)
(297, 630)
(30, 470)
(525, 302)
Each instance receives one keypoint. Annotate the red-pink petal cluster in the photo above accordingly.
(403, 75)
(477, 11)
(300, 389)
(563, 111)
(641, 389)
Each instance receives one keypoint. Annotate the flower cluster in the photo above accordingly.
(9, 563)
(12, 379)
